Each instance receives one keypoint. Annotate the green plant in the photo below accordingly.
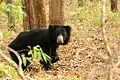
(15, 10)
(113, 17)
(8, 71)
(36, 53)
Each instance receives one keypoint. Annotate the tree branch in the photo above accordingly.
(18, 68)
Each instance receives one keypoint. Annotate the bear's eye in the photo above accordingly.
(57, 33)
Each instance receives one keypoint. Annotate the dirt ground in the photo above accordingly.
(85, 57)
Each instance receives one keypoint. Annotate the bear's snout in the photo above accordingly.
(60, 39)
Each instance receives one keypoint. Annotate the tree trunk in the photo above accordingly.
(36, 16)
(8, 1)
(56, 13)
(80, 3)
(114, 5)
(109, 53)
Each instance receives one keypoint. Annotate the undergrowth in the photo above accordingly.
(8, 72)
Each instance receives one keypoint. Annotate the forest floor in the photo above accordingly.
(84, 58)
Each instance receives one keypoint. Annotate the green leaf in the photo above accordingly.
(29, 47)
(40, 49)
(8, 9)
(44, 57)
(29, 59)
(40, 56)
(97, 22)
(24, 59)
(3, 6)
(37, 46)
(30, 52)
(48, 57)
(35, 52)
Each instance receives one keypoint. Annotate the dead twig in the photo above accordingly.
(18, 68)
(103, 18)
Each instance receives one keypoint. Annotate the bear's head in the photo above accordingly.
(59, 34)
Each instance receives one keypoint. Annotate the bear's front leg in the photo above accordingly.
(54, 56)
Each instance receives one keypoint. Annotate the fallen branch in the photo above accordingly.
(8, 59)
(18, 68)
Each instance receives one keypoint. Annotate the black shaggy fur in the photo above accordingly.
(46, 38)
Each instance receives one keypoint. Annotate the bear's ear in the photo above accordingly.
(50, 26)
(68, 30)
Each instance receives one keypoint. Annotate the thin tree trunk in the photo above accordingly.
(103, 25)
(56, 13)
(80, 3)
(114, 5)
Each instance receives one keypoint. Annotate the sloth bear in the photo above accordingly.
(48, 39)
